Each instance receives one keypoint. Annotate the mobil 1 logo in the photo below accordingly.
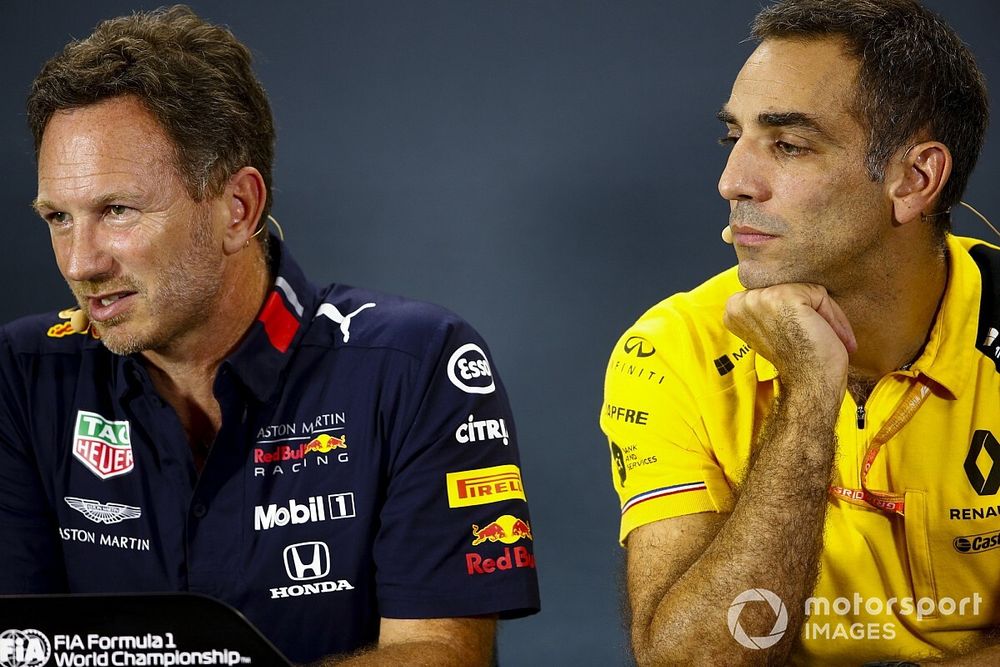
(314, 509)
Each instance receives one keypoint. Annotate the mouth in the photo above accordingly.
(750, 236)
(103, 307)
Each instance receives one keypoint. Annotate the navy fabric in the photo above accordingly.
(324, 502)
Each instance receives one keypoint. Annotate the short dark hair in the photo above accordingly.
(193, 76)
(915, 75)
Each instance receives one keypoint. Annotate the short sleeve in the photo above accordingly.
(30, 551)
(661, 463)
(455, 537)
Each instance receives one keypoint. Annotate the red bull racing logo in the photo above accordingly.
(506, 529)
(322, 444)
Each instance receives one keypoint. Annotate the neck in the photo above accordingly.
(184, 372)
(199, 353)
(893, 313)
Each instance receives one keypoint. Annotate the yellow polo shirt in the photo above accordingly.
(683, 397)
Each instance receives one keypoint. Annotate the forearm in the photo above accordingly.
(772, 540)
(416, 654)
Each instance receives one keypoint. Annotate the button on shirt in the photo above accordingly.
(366, 467)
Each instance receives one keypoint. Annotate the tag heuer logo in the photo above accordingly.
(102, 445)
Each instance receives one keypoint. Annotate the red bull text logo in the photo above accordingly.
(484, 485)
(103, 445)
(321, 444)
(507, 529)
(510, 558)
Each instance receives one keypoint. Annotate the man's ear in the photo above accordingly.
(244, 198)
(915, 181)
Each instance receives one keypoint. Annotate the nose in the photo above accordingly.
(744, 178)
(81, 254)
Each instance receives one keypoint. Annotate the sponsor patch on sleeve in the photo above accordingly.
(484, 485)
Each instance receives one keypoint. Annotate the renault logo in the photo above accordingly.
(307, 560)
(981, 463)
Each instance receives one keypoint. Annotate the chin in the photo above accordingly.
(119, 340)
(754, 275)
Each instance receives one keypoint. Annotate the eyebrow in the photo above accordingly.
(782, 119)
(102, 201)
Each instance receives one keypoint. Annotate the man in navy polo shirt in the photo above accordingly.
(340, 465)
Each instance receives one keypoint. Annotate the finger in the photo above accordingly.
(831, 311)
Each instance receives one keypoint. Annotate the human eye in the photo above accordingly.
(790, 149)
(729, 139)
(57, 219)
(120, 214)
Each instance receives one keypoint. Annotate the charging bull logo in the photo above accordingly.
(507, 529)
(325, 443)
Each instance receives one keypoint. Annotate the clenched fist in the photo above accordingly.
(799, 328)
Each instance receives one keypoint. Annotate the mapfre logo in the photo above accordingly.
(24, 648)
(469, 370)
(982, 464)
(103, 445)
(484, 485)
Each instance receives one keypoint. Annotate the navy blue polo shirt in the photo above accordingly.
(366, 467)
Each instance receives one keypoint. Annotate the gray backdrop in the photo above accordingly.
(547, 169)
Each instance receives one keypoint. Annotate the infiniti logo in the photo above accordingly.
(639, 346)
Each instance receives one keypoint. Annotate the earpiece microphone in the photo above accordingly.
(78, 320)
(727, 234)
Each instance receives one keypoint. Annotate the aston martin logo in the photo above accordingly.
(103, 512)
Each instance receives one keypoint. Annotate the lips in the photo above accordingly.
(106, 306)
(750, 236)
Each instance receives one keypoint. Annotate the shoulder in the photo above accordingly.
(47, 334)
(987, 259)
(683, 338)
(984, 268)
(352, 317)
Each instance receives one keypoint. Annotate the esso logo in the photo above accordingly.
(469, 370)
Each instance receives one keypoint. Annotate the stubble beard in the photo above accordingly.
(183, 298)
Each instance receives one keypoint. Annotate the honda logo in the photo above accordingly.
(307, 560)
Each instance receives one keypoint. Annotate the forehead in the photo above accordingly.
(813, 76)
(117, 138)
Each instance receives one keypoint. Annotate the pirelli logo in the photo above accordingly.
(484, 485)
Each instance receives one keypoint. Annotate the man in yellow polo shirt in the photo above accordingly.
(805, 446)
